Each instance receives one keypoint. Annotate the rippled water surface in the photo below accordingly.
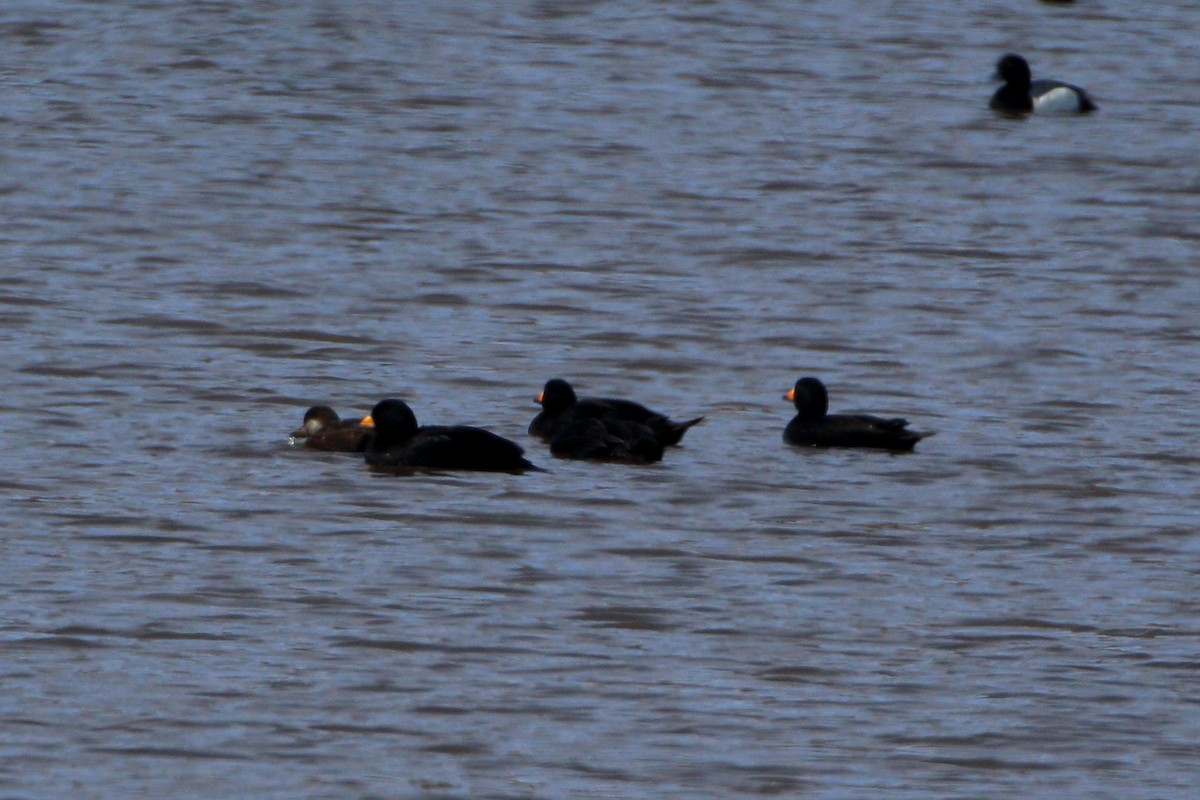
(219, 213)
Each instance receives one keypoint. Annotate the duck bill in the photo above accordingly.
(367, 422)
(541, 397)
(791, 394)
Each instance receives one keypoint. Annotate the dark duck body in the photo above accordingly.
(1020, 94)
(323, 429)
(400, 442)
(813, 426)
(616, 440)
(561, 409)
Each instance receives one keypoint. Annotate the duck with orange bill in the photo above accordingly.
(813, 426)
(400, 442)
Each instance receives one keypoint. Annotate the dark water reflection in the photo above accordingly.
(218, 214)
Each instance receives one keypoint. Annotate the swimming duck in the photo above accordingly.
(1021, 94)
(323, 429)
(560, 407)
(399, 442)
(814, 427)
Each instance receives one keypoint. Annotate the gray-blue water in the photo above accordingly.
(216, 214)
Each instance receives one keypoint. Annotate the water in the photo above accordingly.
(217, 214)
